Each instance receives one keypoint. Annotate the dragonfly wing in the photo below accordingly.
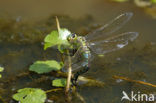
(77, 61)
(74, 60)
(110, 27)
(113, 43)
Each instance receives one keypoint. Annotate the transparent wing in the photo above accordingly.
(110, 27)
(113, 43)
(77, 61)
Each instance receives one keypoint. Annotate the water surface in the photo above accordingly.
(24, 24)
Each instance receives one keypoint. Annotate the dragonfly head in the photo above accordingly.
(72, 37)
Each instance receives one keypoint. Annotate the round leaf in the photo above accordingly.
(55, 38)
(59, 82)
(30, 95)
(1, 69)
(45, 66)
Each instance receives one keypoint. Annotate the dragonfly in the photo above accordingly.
(100, 41)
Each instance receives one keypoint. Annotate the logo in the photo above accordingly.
(137, 96)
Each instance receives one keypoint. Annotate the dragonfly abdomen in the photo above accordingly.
(85, 52)
(85, 56)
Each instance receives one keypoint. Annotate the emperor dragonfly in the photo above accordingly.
(99, 41)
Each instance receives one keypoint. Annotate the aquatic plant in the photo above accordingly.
(65, 41)
(59, 82)
(33, 95)
(45, 66)
(30, 95)
(1, 70)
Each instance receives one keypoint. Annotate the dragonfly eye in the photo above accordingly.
(73, 35)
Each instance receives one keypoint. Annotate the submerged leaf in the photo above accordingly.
(45, 66)
(59, 82)
(30, 95)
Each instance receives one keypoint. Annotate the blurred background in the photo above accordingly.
(100, 11)
(25, 23)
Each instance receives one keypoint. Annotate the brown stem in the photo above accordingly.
(58, 24)
(136, 81)
(53, 90)
(69, 74)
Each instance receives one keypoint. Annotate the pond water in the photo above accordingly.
(24, 24)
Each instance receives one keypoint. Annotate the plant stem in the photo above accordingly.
(135, 81)
(80, 97)
(53, 90)
(69, 74)
(58, 24)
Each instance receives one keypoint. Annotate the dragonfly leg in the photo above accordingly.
(76, 75)
(71, 52)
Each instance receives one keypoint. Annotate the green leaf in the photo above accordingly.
(45, 66)
(120, 0)
(1, 69)
(61, 48)
(64, 33)
(47, 45)
(101, 55)
(153, 1)
(30, 95)
(57, 38)
(59, 82)
(51, 39)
